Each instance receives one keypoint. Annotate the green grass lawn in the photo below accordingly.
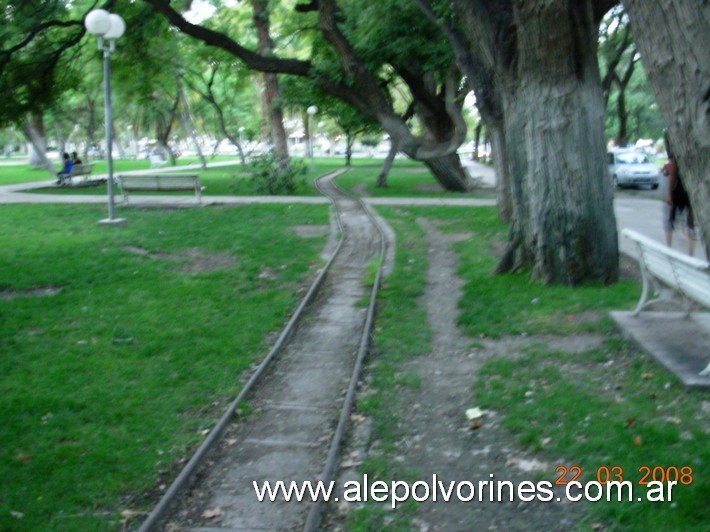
(407, 178)
(219, 181)
(108, 383)
(14, 174)
(607, 407)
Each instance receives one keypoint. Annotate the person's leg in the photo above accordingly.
(691, 232)
(668, 219)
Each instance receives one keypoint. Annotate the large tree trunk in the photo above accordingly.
(622, 137)
(567, 230)
(33, 129)
(671, 36)
(476, 141)
(186, 120)
(504, 201)
(61, 140)
(272, 94)
(163, 127)
(449, 172)
(349, 140)
(387, 166)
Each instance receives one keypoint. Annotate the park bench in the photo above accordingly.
(688, 276)
(78, 170)
(160, 182)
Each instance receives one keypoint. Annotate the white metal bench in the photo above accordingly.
(688, 276)
(160, 182)
(78, 170)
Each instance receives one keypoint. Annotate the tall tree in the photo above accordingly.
(618, 59)
(348, 78)
(533, 66)
(538, 62)
(271, 97)
(673, 37)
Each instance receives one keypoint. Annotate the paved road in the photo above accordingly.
(642, 211)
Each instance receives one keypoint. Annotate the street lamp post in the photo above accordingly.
(107, 27)
(312, 110)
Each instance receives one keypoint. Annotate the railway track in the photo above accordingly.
(300, 397)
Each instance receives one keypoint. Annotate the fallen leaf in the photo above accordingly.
(231, 441)
(24, 458)
(597, 526)
(211, 514)
(630, 421)
(475, 426)
(474, 413)
(638, 441)
(546, 441)
(128, 514)
(647, 375)
(674, 420)
(350, 463)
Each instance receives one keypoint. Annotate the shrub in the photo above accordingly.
(265, 177)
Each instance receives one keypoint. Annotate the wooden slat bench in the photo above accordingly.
(160, 182)
(688, 276)
(78, 170)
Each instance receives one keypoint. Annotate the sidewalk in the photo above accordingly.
(641, 214)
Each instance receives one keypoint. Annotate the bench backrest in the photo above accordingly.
(689, 275)
(81, 169)
(159, 182)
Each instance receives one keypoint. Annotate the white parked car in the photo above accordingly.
(629, 168)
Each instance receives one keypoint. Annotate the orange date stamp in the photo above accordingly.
(643, 475)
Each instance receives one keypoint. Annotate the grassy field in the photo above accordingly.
(14, 174)
(407, 179)
(120, 347)
(218, 180)
(607, 407)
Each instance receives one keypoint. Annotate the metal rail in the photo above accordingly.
(316, 510)
(169, 497)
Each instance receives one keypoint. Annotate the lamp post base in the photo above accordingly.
(113, 221)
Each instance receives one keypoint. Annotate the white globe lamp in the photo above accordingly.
(98, 22)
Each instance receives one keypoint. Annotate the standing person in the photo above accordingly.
(678, 201)
(66, 169)
(75, 158)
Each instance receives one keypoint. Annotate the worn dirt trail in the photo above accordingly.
(438, 439)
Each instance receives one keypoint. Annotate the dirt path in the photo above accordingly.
(438, 437)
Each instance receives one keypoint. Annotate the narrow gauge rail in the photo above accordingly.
(341, 202)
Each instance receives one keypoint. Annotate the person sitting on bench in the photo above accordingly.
(65, 172)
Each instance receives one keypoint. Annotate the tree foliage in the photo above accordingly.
(38, 48)
(631, 109)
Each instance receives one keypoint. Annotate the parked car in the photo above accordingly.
(630, 168)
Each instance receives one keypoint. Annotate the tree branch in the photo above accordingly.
(219, 40)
